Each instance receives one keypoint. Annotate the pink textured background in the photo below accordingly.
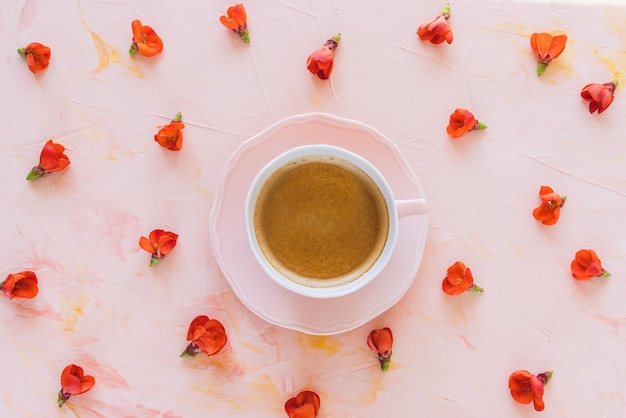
(102, 307)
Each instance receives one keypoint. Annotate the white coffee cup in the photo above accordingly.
(351, 282)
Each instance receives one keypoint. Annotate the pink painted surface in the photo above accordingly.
(102, 307)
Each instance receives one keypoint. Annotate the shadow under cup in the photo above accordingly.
(321, 221)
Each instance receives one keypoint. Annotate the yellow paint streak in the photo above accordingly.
(612, 66)
(369, 396)
(223, 364)
(316, 101)
(564, 68)
(214, 393)
(265, 385)
(76, 307)
(328, 345)
(393, 365)
(70, 405)
(251, 347)
(106, 53)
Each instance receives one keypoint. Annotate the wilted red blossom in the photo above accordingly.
(463, 121)
(305, 404)
(21, 285)
(159, 243)
(321, 61)
(599, 96)
(458, 280)
(145, 40)
(526, 387)
(437, 30)
(586, 265)
(51, 159)
(74, 382)
(37, 56)
(237, 21)
(171, 136)
(381, 341)
(206, 335)
(550, 209)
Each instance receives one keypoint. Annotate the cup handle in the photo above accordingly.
(411, 207)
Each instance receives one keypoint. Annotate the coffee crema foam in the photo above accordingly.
(321, 221)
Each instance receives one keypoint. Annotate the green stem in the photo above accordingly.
(35, 173)
(178, 117)
(244, 35)
(62, 397)
(541, 68)
(384, 363)
(476, 288)
(605, 274)
(446, 10)
(545, 376)
(480, 126)
(190, 351)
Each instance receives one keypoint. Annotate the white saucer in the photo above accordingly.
(261, 294)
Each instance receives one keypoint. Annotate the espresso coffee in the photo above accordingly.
(321, 221)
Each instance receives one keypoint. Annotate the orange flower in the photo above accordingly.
(20, 285)
(206, 335)
(320, 62)
(171, 136)
(381, 340)
(458, 280)
(526, 387)
(51, 159)
(159, 244)
(37, 56)
(463, 121)
(547, 48)
(586, 265)
(237, 21)
(305, 405)
(145, 40)
(550, 209)
(437, 30)
(73, 382)
(599, 96)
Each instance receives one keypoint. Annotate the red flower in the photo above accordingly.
(207, 335)
(526, 387)
(171, 136)
(20, 285)
(437, 30)
(547, 48)
(51, 159)
(145, 40)
(463, 121)
(599, 96)
(305, 405)
(320, 62)
(159, 244)
(237, 21)
(37, 56)
(73, 382)
(550, 209)
(586, 265)
(458, 280)
(381, 340)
